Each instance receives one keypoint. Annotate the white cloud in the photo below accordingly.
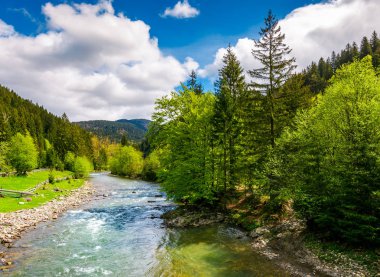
(181, 10)
(5, 29)
(91, 64)
(314, 31)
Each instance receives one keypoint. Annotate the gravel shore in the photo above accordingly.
(13, 224)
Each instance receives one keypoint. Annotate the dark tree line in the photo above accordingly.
(318, 73)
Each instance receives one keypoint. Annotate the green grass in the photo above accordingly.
(31, 180)
(42, 195)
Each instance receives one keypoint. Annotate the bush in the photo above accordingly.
(127, 162)
(82, 167)
(69, 161)
(51, 177)
(22, 154)
(151, 166)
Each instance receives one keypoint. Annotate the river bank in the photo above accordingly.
(14, 224)
(284, 242)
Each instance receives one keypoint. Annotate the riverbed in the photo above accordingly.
(123, 235)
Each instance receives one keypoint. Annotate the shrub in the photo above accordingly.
(151, 166)
(69, 161)
(82, 167)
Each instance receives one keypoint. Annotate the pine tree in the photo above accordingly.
(273, 54)
(375, 42)
(193, 83)
(124, 140)
(365, 48)
(354, 51)
(230, 91)
(375, 45)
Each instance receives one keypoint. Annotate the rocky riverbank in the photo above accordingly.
(282, 242)
(14, 224)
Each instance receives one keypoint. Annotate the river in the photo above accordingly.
(123, 235)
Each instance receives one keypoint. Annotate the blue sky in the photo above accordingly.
(103, 59)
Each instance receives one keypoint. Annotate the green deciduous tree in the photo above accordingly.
(82, 167)
(4, 164)
(22, 154)
(181, 130)
(151, 166)
(69, 161)
(330, 161)
(127, 161)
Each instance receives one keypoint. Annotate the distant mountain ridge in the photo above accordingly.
(114, 130)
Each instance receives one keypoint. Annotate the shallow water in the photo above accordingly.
(123, 235)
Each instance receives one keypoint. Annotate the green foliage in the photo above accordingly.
(127, 162)
(4, 164)
(51, 177)
(151, 166)
(69, 161)
(182, 131)
(82, 167)
(22, 154)
(330, 160)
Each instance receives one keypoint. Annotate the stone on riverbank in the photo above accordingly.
(185, 217)
(13, 224)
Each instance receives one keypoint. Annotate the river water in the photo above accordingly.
(123, 235)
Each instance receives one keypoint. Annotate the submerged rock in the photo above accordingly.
(183, 217)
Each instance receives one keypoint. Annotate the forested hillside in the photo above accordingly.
(53, 136)
(133, 129)
(305, 142)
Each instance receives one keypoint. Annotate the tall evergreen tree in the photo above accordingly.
(230, 91)
(375, 42)
(365, 48)
(276, 68)
(375, 45)
(193, 83)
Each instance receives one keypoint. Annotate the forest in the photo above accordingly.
(309, 139)
(306, 140)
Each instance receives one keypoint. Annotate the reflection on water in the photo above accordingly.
(123, 235)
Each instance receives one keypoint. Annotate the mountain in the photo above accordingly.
(135, 129)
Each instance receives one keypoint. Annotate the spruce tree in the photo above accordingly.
(193, 83)
(276, 68)
(375, 42)
(230, 90)
(365, 48)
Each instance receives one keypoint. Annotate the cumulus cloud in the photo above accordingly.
(91, 63)
(314, 31)
(5, 29)
(181, 10)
